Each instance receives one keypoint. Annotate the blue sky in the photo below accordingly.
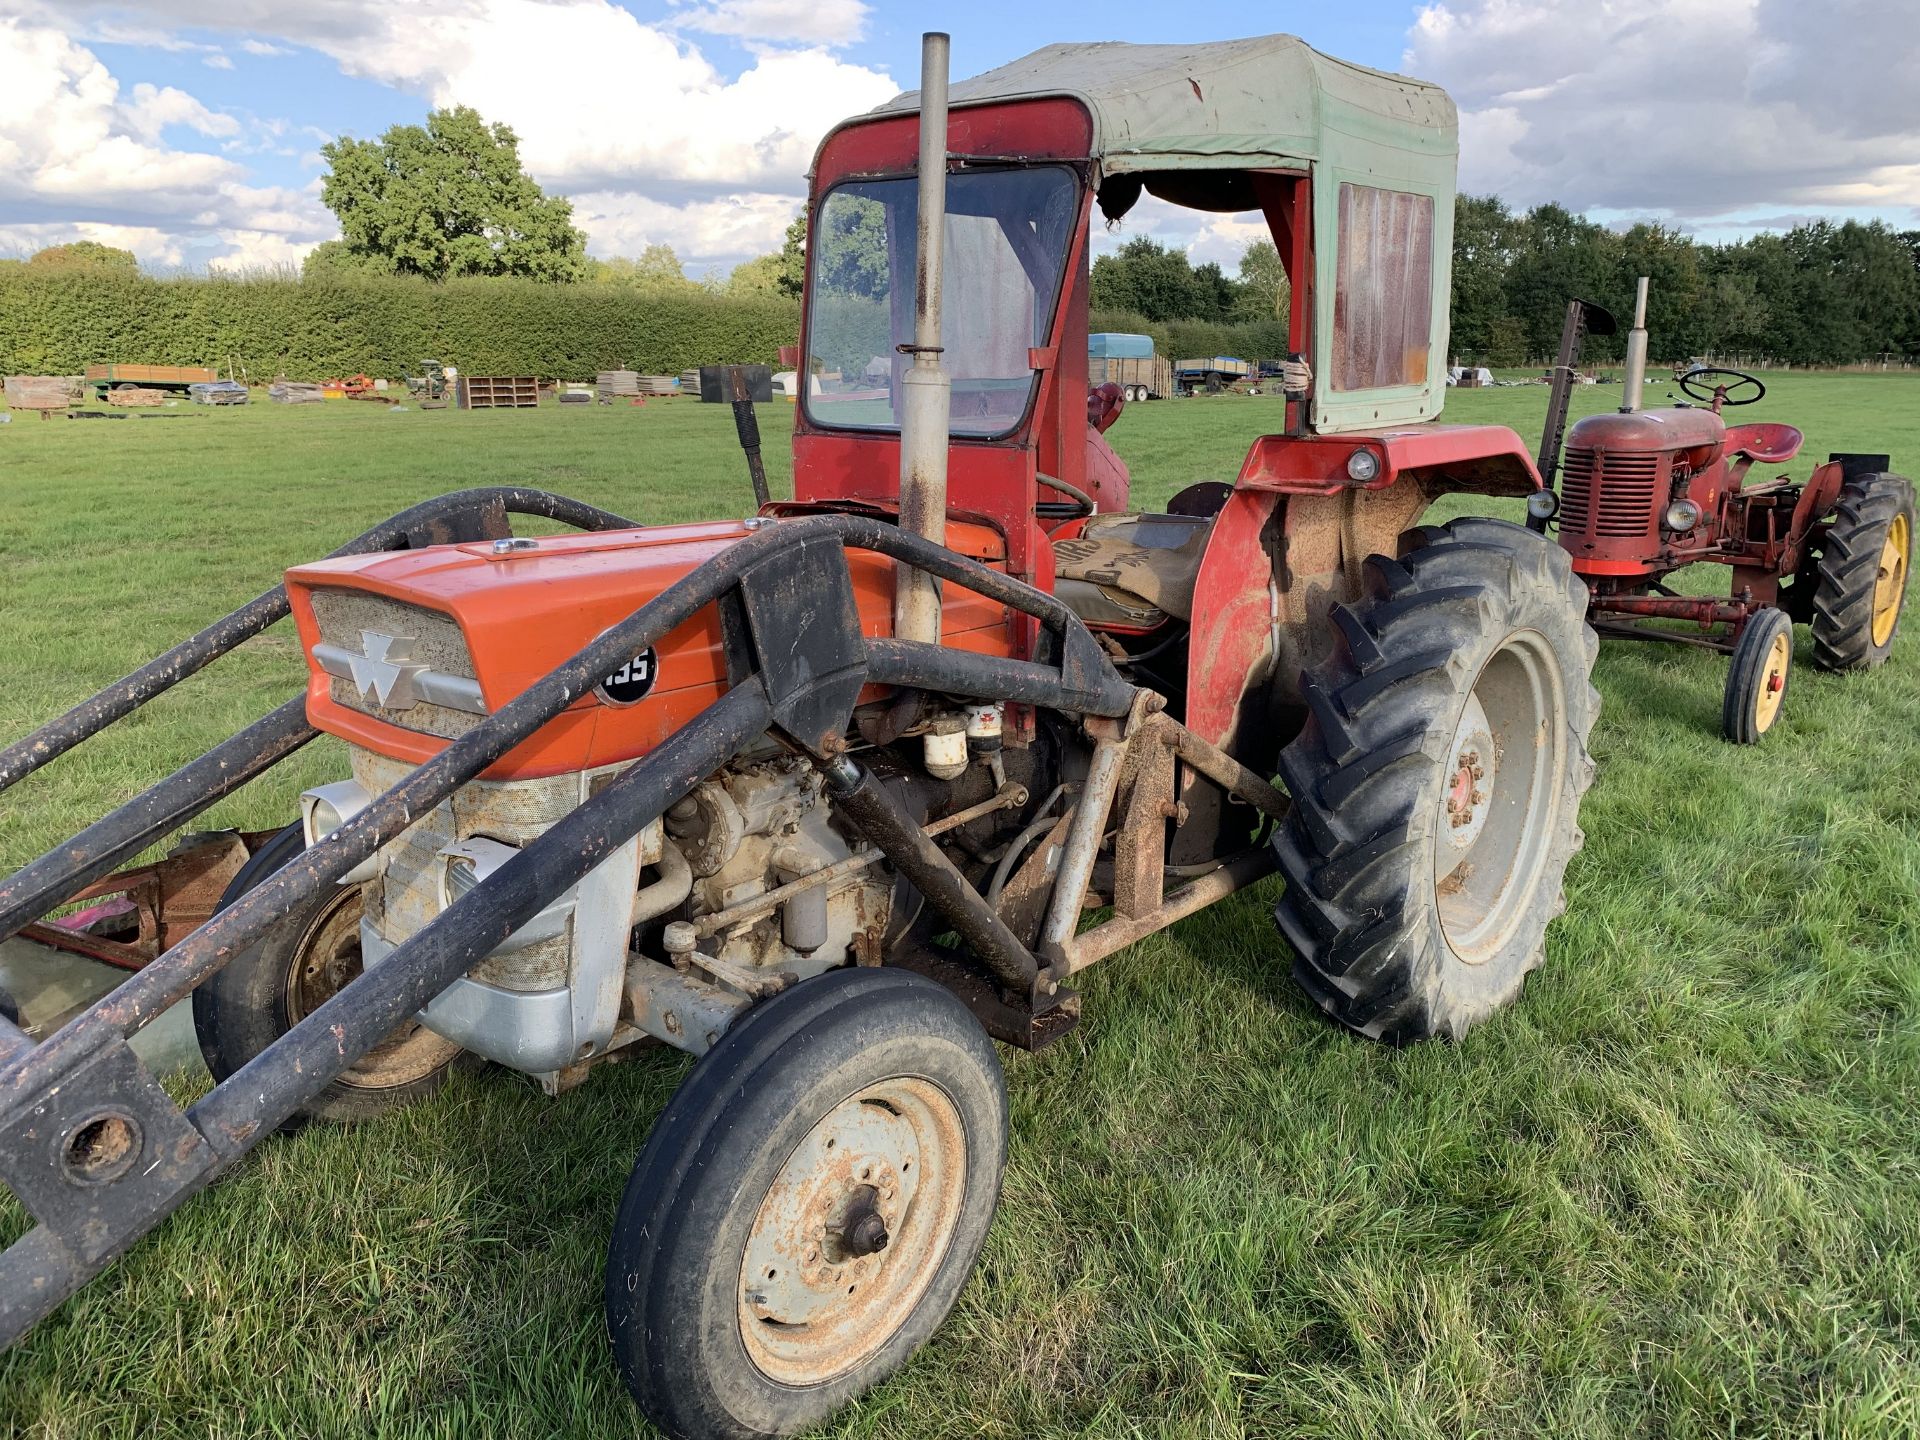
(190, 133)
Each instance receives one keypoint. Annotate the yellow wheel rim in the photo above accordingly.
(1773, 685)
(1891, 588)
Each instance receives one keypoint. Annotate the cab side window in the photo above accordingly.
(1383, 294)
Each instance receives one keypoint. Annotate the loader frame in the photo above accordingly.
(99, 1154)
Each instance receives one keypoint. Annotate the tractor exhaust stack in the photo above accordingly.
(1636, 352)
(923, 420)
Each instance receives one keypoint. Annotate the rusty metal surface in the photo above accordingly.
(159, 904)
(38, 887)
(1116, 934)
(852, 1231)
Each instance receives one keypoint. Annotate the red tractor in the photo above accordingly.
(830, 794)
(1645, 493)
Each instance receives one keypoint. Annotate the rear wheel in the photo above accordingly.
(1437, 782)
(1757, 677)
(279, 980)
(808, 1206)
(1862, 573)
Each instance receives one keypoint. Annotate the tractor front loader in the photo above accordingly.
(831, 795)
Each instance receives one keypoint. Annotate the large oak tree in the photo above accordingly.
(446, 199)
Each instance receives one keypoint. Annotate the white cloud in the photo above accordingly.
(150, 245)
(813, 22)
(1679, 110)
(218, 61)
(79, 161)
(153, 109)
(630, 119)
(262, 47)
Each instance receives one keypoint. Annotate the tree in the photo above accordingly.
(1486, 237)
(86, 255)
(1160, 283)
(657, 268)
(1264, 293)
(793, 258)
(446, 199)
(764, 275)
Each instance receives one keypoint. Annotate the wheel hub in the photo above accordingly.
(851, 1231)
(1471, 766)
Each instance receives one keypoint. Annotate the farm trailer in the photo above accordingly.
(103, 380)
(822, 795)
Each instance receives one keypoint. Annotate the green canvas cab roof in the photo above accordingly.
(1269, 101)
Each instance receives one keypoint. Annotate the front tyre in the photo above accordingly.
(808, 1206)
(286, 975)
(1436, 784)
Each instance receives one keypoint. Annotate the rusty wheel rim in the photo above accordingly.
(1773, 681)
(1890, 588)
(1499, 797)
(326, 959)
(818, 1297)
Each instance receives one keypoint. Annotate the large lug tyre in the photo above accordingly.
(808, 1206)
(1861, 584)
(273, 984)
(1757, 677)
(1436, 784)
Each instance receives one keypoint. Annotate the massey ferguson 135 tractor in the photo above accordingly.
(1644, 493)
(830, 795)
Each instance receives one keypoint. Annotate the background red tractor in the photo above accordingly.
(1645, 493)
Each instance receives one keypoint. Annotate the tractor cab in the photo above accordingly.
(1352, 171)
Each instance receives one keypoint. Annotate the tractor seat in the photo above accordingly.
(1131, 572)
(1765, 442)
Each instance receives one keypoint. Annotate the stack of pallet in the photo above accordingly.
(38, 392)
(659, 384)
(294, 392)
(611, 385)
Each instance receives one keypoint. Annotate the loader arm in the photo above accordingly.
(99, 1154)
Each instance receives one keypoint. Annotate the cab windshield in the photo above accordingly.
(1007, 235)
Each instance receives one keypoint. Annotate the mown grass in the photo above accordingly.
(1674, 1191)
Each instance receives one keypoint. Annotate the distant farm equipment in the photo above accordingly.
(104, 380)
(1644, 493)
(1131, 362)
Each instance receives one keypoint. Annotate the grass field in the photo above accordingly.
(1675, 1191)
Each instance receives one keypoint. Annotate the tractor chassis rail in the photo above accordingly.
(99, 1154)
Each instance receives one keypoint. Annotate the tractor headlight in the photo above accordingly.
(324, 809)
(1681, 516)
(464, 865)
(1543, 504)
(1362, 466)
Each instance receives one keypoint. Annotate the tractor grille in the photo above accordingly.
(1614, 496)
(426, 638)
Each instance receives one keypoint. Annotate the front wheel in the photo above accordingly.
(1436, 784)
(1757, 677)
(280, 979)
(808, 1206)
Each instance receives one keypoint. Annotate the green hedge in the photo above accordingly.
(1192, 339)
(59, 324)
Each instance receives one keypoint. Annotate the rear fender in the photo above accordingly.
(1275, 565)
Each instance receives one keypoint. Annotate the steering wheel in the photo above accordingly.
(1713, 395)
(1077, 507)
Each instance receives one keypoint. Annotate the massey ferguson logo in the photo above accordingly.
(387, 670)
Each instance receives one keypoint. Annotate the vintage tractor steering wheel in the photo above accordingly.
(1740, 382)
